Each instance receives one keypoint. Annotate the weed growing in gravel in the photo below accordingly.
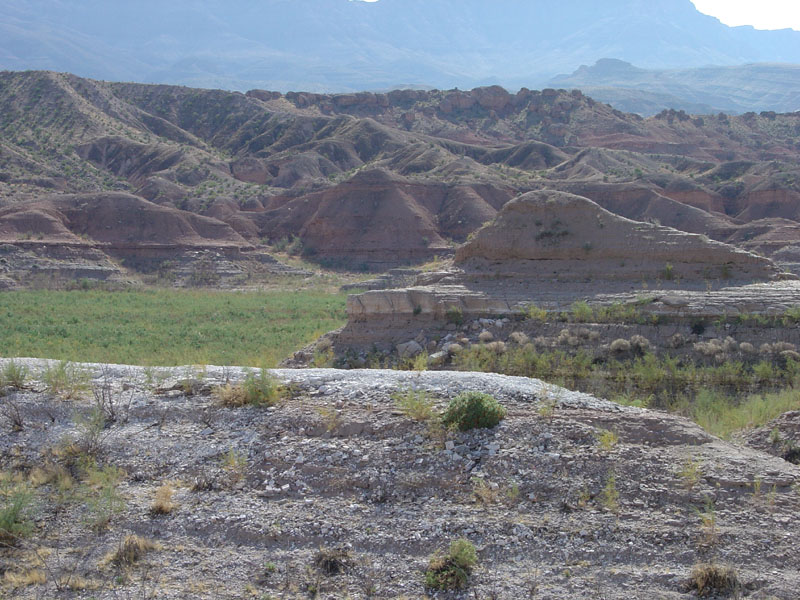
(708, 525)
(607, 439)
(484, 492)
(102, 497)
(66, 380)
(235, 465)
(16, 509)
(452, 571)
(415, 404)
(690, 473)
(710, 579)
(473, 410)
(609, 497)
(13, 375)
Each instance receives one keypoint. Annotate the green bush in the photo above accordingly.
(472, 410)
(451, 572)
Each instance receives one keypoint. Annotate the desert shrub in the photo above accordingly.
(485, 337)
(518, 338)
(710, 579)
(640, 344)
(473, 410)
(452, 571)
(620, 346)
(415, 404)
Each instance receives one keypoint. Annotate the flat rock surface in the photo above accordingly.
(556, 505)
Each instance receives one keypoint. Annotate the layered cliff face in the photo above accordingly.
(560, 236)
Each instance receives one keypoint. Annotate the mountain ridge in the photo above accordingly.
(341, 46)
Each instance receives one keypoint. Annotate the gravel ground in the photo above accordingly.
(568, 497)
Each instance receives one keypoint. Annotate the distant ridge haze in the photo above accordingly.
(343, 45)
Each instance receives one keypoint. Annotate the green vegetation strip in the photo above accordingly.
(165, 327)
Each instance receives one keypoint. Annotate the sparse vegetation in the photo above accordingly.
(415, 404)
(162, 503)
(472, 410)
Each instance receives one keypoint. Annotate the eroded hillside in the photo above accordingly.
(367, 180)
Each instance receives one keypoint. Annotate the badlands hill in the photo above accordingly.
(363, 180)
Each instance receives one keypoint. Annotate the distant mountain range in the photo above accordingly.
(704, 90)
(347, 45)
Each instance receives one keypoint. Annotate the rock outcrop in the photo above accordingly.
(551, 235)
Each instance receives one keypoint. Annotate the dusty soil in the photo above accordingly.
(557, 507)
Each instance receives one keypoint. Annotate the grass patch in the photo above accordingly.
(166, 327)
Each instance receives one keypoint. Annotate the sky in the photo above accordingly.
(763, 14)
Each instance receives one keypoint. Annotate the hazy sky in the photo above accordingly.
(764, 14)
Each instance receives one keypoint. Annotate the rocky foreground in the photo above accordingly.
(336, 493)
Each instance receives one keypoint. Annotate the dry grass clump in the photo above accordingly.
(259, 389)
(130, 550)
(19, 579)
(485, 337)
(710, 579)
(163, 504)
(333, 561)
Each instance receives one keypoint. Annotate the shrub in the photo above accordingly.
(485, 337)
(451, 572)
(620, 346)
(472, 410)
(710, 579)
(582, 312)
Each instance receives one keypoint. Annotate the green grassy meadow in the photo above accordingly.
(165, 327)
